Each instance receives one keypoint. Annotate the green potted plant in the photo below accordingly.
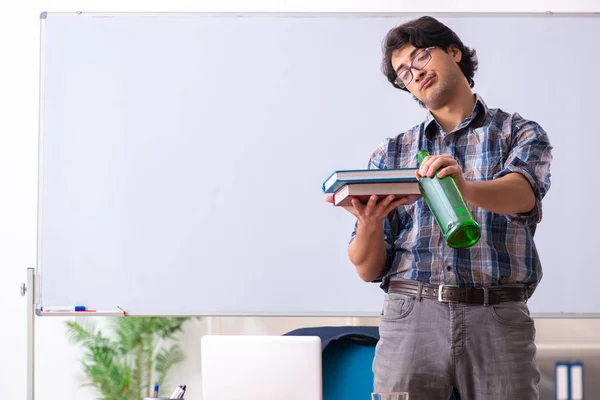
(134, 354)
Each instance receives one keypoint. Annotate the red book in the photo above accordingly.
(363, 191)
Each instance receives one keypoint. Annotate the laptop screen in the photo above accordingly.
(236, 367)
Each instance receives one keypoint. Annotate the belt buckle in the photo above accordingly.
(440, 288)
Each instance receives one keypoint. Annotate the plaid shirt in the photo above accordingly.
(488, 144)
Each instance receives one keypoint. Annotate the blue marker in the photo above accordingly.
(63, 309)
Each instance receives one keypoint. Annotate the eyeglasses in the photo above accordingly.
(405, 76)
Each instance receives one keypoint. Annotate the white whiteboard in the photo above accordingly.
(182, 155)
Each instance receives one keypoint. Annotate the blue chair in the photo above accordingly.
(348, 353)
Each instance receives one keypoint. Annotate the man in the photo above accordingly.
(454, 318)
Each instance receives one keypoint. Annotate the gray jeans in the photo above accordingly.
(427, 347)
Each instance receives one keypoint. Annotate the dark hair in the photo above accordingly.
(421, 33)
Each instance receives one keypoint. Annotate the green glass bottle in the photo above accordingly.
(449, 208)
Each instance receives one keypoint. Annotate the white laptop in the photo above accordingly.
(261, 368)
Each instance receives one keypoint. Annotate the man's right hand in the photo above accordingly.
(373, 211)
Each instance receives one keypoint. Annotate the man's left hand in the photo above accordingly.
(448, 166)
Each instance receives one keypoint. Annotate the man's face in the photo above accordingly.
(433, 84)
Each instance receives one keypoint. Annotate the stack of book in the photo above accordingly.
(363, 183)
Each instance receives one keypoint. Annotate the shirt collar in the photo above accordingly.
(480, 109)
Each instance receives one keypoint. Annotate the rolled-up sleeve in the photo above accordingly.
(530, 155)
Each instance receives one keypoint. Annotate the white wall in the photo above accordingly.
(56, 367)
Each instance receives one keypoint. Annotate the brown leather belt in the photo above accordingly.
(455, 294)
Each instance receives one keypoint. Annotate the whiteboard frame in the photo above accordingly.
(336, 14)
